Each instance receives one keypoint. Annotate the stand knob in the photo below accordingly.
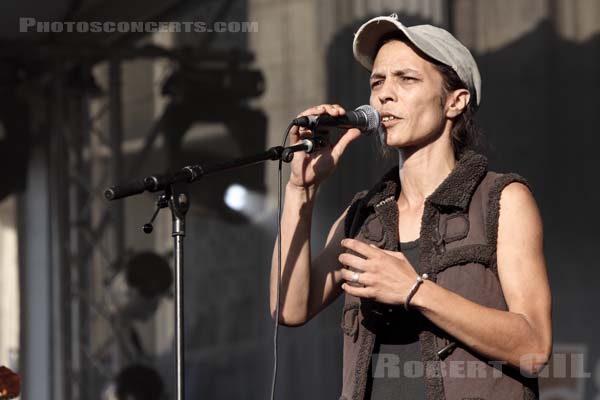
(148, 228)
(160, 203)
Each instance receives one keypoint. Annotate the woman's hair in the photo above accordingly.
(465, 133)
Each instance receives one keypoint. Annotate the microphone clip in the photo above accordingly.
(317, 141)
(308, 145)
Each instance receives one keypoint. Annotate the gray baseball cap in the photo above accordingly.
(437, 43)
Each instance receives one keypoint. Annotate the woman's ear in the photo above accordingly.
(457, 102)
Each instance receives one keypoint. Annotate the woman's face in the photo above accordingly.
(407, 91)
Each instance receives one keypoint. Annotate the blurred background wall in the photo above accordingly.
(81, 111)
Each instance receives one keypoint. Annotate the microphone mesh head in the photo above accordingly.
(372, 117)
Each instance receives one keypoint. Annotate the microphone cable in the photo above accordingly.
(278, 290)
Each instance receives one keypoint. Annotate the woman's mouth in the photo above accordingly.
(389, 120)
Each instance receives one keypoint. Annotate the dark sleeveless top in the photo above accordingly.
(396, 370)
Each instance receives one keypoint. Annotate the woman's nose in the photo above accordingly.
(386, 93)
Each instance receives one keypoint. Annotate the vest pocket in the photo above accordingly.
(454, 227)
(350, 320)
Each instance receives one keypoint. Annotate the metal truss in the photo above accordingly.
(85, 158)
(89, 240)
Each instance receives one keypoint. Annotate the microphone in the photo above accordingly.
(365, 118)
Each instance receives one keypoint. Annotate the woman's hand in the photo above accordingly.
(385, 276)
(310, 170)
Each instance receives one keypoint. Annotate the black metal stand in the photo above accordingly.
(179, 204)
(176, 197)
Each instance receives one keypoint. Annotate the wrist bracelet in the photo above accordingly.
(413, 289)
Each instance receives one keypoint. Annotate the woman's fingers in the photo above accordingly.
(331, 109)
(313, 168)
(364, 278)
(343, 142)
(361, 248)
(364, 292)
(353, 261)
(334, 110)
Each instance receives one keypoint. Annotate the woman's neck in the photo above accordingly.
(422, 170)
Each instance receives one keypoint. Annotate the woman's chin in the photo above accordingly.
(396, 140)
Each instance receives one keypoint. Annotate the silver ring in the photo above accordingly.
(355, 276)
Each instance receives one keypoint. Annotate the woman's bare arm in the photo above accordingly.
(307, 286)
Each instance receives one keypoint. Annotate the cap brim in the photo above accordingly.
(368, 36)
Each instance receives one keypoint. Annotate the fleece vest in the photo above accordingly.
(457, 250)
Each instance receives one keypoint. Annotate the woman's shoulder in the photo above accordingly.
(494, 183)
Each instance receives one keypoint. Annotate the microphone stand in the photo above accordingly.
(176, 196)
